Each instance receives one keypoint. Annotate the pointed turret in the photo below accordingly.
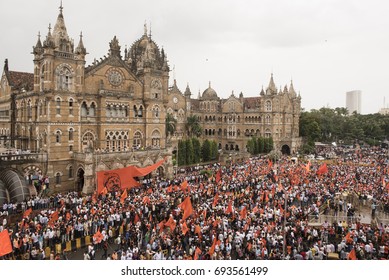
(286, 89)
(6, 65)
(262, 91)
(291, 89)
(187, 92)
(38, 49)
(271, 89)
(80, 50)
(49, 42)
(60, 34)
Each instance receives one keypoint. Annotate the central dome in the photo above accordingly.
(144, 52)
(210, 93)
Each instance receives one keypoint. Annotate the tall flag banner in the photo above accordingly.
(123, 178)
(229, 207)
(171, 223)
(186, 205)
(322, 169)
(243, 213)
(123, 197)
(212, 249)
(27, 212)
(218, 175)
(5, 243)
(197, 253)
(352, 255)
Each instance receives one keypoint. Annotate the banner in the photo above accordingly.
(123, 178)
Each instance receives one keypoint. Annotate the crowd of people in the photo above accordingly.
(249, 209)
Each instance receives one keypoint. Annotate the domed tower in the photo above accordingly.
(149, 64)
(57, 66)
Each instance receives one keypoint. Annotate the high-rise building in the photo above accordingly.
(353, 101)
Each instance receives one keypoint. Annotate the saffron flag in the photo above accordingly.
(171, 223)
(123, 178)
(186, 205)
(218, 176)
(27, 212)
(146, 200)
(5, 243)
(198, 230)
(98, 237)
(352, 255)
(229, 208)
(197, 253)
(184, 186)
(123, 197)
(212, 249)
(215, 199)
(243, 213)
(322, 169)
(184, 228)
(53, 218)
(307, 166)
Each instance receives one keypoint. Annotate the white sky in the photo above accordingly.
(328, 47)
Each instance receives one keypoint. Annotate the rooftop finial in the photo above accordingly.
(150, 30)
(61, 8)
(39, 35)
(209, 84)
(145, 28)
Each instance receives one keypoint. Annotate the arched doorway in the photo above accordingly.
(80, 180)
(285, 150)
(160, 171)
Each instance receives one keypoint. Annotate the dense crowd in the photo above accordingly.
(245, 210)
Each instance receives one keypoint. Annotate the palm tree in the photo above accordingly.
(193, 127)
(171, 124)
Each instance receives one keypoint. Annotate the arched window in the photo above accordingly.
(135, 111)
(71, 172)
(71, 107)
(267, 119)
(156, 139)
(268, 106)
(58, 106)
(29, 109)
(87, 140)
(137, 140)
(71, 130)
(140, 111)
(92, 110)
(58, 136)
(58, 178)
(156, 112)
(84, 109)
(64, 79)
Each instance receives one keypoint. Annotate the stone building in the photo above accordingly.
(112, 113)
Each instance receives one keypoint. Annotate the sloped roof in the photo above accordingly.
(250, 102)
(20, 80)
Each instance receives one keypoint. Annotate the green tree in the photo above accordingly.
(192, 126)
(171, 124)
(214, 151)
(189, 151)
(181, 153)
(196, 150)
(206, 150)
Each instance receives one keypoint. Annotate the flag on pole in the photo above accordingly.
(5, 243)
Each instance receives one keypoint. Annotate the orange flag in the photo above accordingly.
(198, 230)
(184, 228)
(212, 249)
(215, 199)
(104, 191)
(161, 225)
(184, 186)
(322, 169)
(243, 213)
(270, 163)
(53, 219)
(123, 197)
(352, 255)
(5, 243)
(308, 167)
(146, 200)
(171, 223)
(169, 189)
(98, 237)
(136, 218)
(27, 212)
(197, 253)
(218, 176)
(229, 208)
(186, 205)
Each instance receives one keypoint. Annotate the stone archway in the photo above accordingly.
(285, 149)
(80, 180)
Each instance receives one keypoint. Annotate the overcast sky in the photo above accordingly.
(327, 47)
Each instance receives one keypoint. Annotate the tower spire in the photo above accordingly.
(60, 8)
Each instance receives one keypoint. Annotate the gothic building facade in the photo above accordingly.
(112, 113)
